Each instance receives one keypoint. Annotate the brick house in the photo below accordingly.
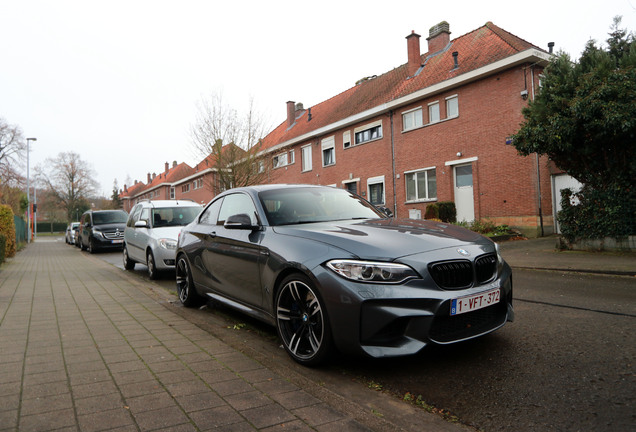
(433, 129)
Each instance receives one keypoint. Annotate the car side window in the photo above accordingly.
(209, 215)
(237, 203)
(145, 215)
(134, 215)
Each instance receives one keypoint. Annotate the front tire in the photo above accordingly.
(302, 322)
(91, 246)
(128, 263)
(188, 295)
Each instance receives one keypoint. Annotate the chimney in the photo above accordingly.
(455, 62)
(149, 178)
(291, 113)
(438, 37)
(174, 164)
(414, 54)
(167, 167)
(550, 47)
(154, 175)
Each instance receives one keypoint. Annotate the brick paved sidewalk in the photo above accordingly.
(83, 346)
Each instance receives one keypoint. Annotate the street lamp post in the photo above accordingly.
(28, 194)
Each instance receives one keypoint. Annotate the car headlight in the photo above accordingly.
(500, 260)
(168, 243)
(372, 271)
(98, 233)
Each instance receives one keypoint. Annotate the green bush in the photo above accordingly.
(447, 211)
(432, 211)
(7, 228)
(596, 214)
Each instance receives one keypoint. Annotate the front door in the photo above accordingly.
(464, 200)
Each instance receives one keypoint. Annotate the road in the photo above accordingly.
(566, 363)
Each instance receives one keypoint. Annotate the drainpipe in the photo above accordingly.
(393, 165)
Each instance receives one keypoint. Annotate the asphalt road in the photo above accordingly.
(566, 363)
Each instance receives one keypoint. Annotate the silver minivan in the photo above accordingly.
(151, 233)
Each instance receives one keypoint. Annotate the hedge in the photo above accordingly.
(7, 228)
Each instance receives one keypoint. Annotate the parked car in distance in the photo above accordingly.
(102, 229)
(151, 233)
(71, 231)
(330, 271)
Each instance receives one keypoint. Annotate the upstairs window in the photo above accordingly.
(412, 119)
(283, 159)
(328, 152)
(452, 107)
(305, 154)
(433, 112)
(368, 132)
(346, 139)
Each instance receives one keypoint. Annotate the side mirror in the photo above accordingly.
(141, 224)
(239, 221)
(386, 211)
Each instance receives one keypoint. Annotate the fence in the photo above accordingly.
(20, 229)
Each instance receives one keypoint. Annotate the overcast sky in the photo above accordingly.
(118, 81)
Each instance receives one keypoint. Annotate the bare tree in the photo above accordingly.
(70, 179)
(12, 153)
(232, 141)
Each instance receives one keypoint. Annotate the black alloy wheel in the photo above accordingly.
(128, 263)
(185, 286)
(301, 321)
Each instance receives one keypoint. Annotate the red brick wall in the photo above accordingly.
(505, 184)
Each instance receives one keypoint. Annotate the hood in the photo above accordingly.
(385, 238)
(168, 232)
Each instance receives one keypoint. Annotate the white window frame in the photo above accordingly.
(172, 192)
(431, 111)
(415, 114)
(350, 181)
(328, 144)
(374, 181)
(283, 159)
(452, 99)
(367, 127)
(417, 172)
(346, 139)
(305, 156)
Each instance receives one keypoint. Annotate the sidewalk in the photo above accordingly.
(85, 346)
(541, 254)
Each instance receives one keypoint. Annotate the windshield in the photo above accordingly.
(308, 205)
(109, 217)
(174, 216)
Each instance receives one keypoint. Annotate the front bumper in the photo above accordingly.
(394, 320)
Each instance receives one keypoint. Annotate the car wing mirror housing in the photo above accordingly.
(141, 224)
(386, 211)
(240, 221)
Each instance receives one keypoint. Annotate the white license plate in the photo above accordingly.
(476, 301)
(117, 241)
